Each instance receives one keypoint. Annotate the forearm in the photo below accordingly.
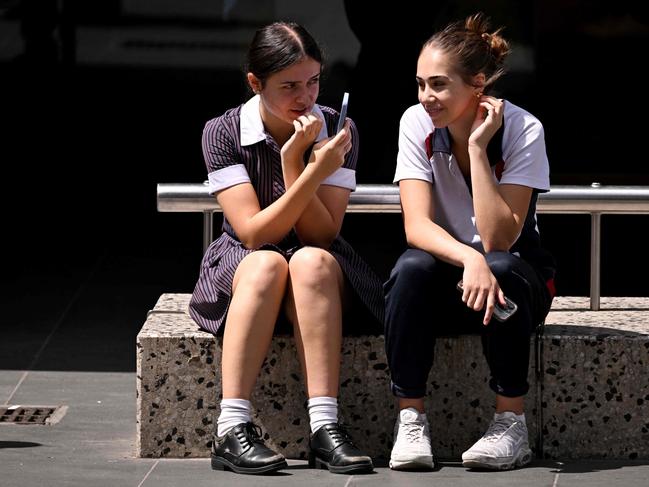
(427, 235)
(315, 226)
(495, 220)
(271, 224)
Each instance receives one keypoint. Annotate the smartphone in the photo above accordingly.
(500, 313)
(343, 112)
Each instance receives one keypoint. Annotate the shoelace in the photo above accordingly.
(413, 431)
(496, 430)
(339, 435)
(250, 434)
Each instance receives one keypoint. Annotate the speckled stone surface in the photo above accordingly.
(596, 387)
(178, 388)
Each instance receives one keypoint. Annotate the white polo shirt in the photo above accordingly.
(425, 154)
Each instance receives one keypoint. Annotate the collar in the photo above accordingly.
(441, 140)
(252, 128)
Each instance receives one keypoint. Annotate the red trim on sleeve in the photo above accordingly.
(429, 145)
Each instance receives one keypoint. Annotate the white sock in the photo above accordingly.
(322, 410)
(519, 417)
(233, 412)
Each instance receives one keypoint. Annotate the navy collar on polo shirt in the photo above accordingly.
(442, 140)
(252, 128)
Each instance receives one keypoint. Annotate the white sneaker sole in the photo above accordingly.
(411, 462)
(524, 457)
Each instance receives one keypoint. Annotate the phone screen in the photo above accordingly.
(343, 112)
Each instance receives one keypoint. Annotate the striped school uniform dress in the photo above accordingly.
(237, 150)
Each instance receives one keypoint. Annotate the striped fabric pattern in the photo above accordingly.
(222, 149)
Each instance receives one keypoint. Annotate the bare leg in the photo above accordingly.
(513, 404)
(418, 403)
(314, 306)
(257, 293)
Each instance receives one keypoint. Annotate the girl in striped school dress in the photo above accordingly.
(282, 177)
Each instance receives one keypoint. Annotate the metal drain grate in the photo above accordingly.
(31, 414)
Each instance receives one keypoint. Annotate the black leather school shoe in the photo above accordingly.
(242, 450)
(332, 448)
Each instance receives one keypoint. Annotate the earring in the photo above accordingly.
(478, 94)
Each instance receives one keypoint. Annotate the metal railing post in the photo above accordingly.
(208, 234)
(595, 251)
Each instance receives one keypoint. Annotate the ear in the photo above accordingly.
(479, 81)
(254, 83)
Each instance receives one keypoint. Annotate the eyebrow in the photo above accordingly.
(432, 78)
(294, 82)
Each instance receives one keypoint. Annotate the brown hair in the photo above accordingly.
(279, 45)
(472, 48)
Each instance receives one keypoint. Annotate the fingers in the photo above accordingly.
(348, 146)
(336, 147)
(308, 124)
(342, 138)
(489, 311)
(347, 138)
(478, 298)
(492, 106)
(343, 131)
(501, 298)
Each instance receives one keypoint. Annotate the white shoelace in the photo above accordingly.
(413, 431)
(497, 429)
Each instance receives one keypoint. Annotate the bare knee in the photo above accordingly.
(262, 270)
(314, 268)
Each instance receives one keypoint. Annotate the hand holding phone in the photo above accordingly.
(501, 313)
(343, 112)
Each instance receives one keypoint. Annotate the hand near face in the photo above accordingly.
(307, 128)
(329, 154)
(488, 119)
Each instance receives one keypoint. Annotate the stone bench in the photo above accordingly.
(592, 387)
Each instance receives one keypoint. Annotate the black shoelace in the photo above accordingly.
(250, 434)
(339, 435)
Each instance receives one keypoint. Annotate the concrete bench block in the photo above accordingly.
(594, 398)
(596, 390)
(178, 391)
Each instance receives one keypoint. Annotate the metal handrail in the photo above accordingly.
(594, 200)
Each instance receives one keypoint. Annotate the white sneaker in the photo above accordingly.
(411, 448)
(504, 446)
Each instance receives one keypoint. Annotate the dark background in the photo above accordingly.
(84, 142)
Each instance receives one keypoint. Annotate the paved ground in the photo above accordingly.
(94, 444)
(62, 344)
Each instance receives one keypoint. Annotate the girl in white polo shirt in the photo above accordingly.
(469, 169)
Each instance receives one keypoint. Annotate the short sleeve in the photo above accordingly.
(345, 176)
(412, 160)
(222, 159)
(526, 161)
